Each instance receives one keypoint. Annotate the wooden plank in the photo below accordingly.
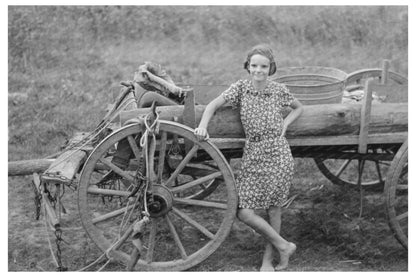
(365, 118)
(385, 72)
(65, 166)
(189, 116)
(389, 138)
(189, 110)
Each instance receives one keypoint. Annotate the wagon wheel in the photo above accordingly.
(344, 171)
(182, 232)
(194, 171)
(396, 191)
(356, 80)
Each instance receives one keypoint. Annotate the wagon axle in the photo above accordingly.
(161, 202)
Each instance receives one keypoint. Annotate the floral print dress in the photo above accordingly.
(267, 163)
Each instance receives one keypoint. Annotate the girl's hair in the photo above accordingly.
(264, 50)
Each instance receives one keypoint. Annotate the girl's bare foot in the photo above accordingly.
(285, 255)
(266, 267)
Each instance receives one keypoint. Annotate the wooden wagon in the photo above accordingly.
(176, 201)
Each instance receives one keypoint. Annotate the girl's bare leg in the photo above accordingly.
(285, 248)
(274, 214)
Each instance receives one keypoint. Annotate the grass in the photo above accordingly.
(69, 77)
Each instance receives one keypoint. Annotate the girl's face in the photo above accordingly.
(259, 67)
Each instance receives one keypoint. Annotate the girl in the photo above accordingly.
(267, 163)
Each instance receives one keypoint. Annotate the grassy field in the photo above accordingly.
(65, 65)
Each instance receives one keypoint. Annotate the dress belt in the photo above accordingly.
(257, 137)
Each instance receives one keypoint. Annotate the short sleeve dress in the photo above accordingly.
(267, 162)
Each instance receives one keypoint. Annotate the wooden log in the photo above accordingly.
(27, 167)
(316, 120)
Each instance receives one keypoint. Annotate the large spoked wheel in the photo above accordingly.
(396, 194)
(182, 231)
(344, 172)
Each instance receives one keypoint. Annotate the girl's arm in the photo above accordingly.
(201, 132)
(297, 109)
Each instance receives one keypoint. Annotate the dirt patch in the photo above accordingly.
(323, 221)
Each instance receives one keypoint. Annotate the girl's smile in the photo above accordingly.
(259, 70)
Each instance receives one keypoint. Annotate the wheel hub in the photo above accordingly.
(162, 201)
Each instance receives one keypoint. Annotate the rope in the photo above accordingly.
(125, 221)
(144, 143)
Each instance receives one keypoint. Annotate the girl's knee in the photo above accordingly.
(274, 211)
(244, 214)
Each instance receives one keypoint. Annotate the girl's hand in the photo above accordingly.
(201, 133)
(283, 133)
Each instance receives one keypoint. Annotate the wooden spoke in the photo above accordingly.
(402, 216)
(124, 237)
(197, 182)
(396, 201)
(198, 169)
(342, 168)
(152, 241)
(404, 172)
(360, 171)
(201, 203)
(202, 186)
(380, 177)
(162, 153)
(109, 192)
(110, 215)
(402, 187)
(193, 223)
(176, 238)
(182, 164)
(117, 170)
(135, 148)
